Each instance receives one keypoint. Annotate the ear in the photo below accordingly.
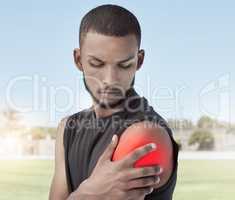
(140, 58)
(77, 58)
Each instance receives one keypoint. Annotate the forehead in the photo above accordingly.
(109, 46)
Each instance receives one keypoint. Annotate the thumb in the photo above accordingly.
(110, 148)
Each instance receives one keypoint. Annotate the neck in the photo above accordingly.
(103, 112)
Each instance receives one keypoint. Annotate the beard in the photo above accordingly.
(107, 105)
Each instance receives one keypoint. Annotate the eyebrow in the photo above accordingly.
(121, 61)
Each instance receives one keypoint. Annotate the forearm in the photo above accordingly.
(80, 196)
(76, 196)
(81, 193)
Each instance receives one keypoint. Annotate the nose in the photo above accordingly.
(111, 76)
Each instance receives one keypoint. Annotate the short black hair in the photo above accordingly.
(110, 20)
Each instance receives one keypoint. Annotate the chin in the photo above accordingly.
(109, 102)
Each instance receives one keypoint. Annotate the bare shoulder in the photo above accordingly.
(161, 135)
(153, 129)
(61, 125)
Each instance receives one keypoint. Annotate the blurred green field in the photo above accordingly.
(209, 180)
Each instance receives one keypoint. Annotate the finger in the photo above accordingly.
(157, 185)
(136, 193)
(143, 182)
(108, 152)
(143, 172)
(132, 157)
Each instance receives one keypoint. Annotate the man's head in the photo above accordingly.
(109, 54)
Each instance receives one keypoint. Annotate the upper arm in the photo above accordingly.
(59, 189)
(163, 136)
(159, 134)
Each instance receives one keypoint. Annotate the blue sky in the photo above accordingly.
(188, 69)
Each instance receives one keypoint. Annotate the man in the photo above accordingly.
(109, 56)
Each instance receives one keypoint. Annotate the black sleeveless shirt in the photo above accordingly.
(86, 137)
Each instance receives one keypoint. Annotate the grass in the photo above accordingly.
(209, 180)
(197, 179)
(25, 179)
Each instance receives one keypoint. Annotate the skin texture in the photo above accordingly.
(143, 133)
(108, 72)
(58, 189)
(99, 59)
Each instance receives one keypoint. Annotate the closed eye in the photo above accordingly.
(125, 66)
(96, 65)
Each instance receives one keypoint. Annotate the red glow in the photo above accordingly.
(129, 141)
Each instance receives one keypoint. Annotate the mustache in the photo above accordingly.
(113, 90)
